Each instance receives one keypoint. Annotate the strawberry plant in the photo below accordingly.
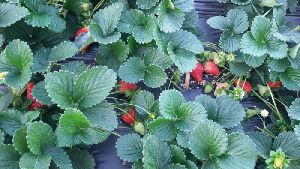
(185, 133)
(141, 39)
(76, 92)
(262, 40)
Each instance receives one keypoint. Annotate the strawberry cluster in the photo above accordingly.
(209, 68)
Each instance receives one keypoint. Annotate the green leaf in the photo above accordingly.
(85, 160)
(74, 128)
(94, 86)
(237, 20)
(9, 157)
(191, 165)
(11, 13)
(144, 102)
(63, 51)
(2, 137)
(19, 140)
(133, 70)
(39, 137)
(5, 99)
(183, 59)
(230, 112)
(182, 138)
(157, 154)
(218, 22)
(294, 110)
(146, 4)
(57, 23)
(184, 5)
(297, 131)
(260, 41)
(234, 24)
(263, 143)
(40, 93)
(289, 144)
(155, 56)
(178, 154)
(230, 42)
(16, 59)
(254, 61)
(278, 65)
(163, 128)
(224, 110)
(241, 2)
(76, 67)
(130, 147)
(241, 153)
(2, 39)
(105, 21)
(155, 76)
(208, 140)
(10, 121)
(182, 47)
(239, 69)
(189, 115)
(90, 88)
(191, 20)
(290, 79)
(60, 86)
(60, 158)
(113, 55)
(34, 4)
(170, 18)
(141, 27)
(39, 17)
(209, 104)
(102, 115)
(169, 103)
(176, 166)
(41, 60)
(31, 161)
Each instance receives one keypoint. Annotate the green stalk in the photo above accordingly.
(265, 101)
(99, 4)
(277, 111)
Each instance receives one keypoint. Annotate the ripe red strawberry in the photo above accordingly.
(211, 68)
(124, 86)
(81, 31)
(277, 84)
(34, 104)
(130, 117)
(197, 73)
(246, 86)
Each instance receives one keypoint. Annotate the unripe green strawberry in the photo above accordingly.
(263, 90)
(212, 56)
(208, 89)
(85, 6)
(268, 3)
(139, 128)
(206, 54)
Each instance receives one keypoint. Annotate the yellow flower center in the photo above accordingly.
(278, 163)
